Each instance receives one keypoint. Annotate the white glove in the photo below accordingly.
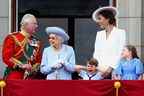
(57, 66)
(26, 66)
(60, 61)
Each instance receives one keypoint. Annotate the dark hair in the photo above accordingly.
(108, 14)
(92, 61)
(133, 50)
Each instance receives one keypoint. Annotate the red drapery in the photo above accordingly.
(72, 88)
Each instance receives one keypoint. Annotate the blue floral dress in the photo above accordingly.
(129, 69)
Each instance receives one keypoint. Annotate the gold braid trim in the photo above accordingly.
(15, 61)
(21, 44)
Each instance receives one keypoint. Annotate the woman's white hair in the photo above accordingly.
(60, 38)
(26, 18)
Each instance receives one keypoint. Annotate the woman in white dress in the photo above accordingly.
(110, 41)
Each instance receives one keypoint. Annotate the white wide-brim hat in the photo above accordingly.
(58, 31)
(110, 8)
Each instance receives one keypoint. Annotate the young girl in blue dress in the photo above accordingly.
(130, 66)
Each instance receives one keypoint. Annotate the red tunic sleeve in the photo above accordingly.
(8, 51)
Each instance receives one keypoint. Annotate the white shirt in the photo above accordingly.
(107, 51)
(87, 76)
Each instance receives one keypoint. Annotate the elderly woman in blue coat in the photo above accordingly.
(58, 60)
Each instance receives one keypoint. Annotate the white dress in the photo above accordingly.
(107, 51)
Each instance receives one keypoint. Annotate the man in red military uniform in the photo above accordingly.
(21, 50)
